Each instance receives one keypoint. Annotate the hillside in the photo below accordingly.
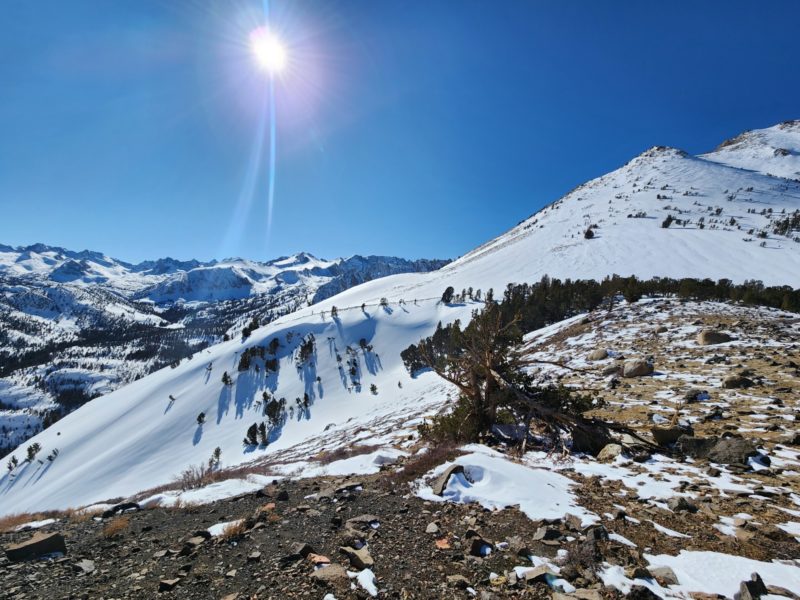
(328, 378)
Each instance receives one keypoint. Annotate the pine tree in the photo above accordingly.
(262, 434)
(201, 418)
(447, 296)
(334, 312)
(251, 438)
(374, 389)
(12, 463)
(33, 450)
(226, 379)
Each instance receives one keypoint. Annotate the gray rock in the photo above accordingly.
(166, 585)
(599, 354)
(458, 581)
(540, 573)
(432, 528)
(637, 368)
(333, 574)
(680, 504)
(664, 575)
(732, 451)
(696, 447)
(85, 566)
(752, 589)
(664, 436)
(609, 453)
(40, 544)
(359, 558)
(441, 483)
(709, 337)
(735, 382)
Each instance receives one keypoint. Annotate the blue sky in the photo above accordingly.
(417, 129)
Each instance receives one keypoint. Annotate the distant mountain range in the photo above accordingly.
(75, 325)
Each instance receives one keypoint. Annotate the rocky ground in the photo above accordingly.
(719, 389)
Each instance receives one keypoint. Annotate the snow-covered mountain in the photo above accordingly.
(76, 325)
(664, 213)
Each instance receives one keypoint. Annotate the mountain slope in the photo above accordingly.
(75, 325)
(721, 225)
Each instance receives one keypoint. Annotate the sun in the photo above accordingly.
(269, 51)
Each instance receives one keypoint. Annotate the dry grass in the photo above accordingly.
(199, 476)
(418, 465)
(326, 457)
(11, 522)
(233, 531)
(116, 526)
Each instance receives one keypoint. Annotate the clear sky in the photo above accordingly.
(409, 128)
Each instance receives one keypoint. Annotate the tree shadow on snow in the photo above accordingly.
(198, 434)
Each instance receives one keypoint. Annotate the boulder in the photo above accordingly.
(664, 436)
(752, 589)
(732, 451)
(120, 508)
(695, 447)
(680, 504)
(609, 452)
(599, 354)
(432, 528)
(637, 368)
(610, 370)
(40, 544)
(441, 483)
(710, 337)
(664, 575)
(735, 382)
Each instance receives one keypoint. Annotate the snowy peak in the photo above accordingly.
(774, 151)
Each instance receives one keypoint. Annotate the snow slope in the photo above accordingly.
(133, 438)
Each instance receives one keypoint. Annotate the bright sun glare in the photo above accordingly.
(268, 50)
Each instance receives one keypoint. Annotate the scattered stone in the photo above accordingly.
(167, 585)
(254, 556)
(40, 544)
(546, 533)
(458, 581)
(432, 528)
(333, 574)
